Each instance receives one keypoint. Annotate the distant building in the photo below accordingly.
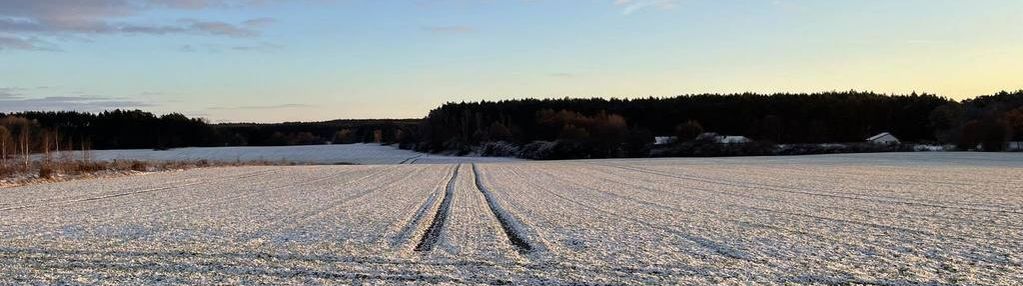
(1015, 146)
(727, 139)
(884, 138)
(665, 140)
(724, 139)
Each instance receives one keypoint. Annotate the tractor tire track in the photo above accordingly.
(410, 160)
(432, 234)
(406, 233)
(512, 227)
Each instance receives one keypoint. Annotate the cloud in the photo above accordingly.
(632, 6)
(220, 28)
(12, 101)
(263, 47)
(186, 49)
(212, 48)
(450, 29)
(259, 22)
(261, 107)
(22, 21)
(33, 44)
(8, 92)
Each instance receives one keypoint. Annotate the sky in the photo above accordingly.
(308, 60)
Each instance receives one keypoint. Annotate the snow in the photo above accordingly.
(883, 138)
(316, 154)
(889, 219)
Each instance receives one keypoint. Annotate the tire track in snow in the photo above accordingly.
(512, 227)
(432, 234)
(410, 160)
(406, 233)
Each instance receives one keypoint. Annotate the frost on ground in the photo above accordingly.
(315, 154)
(877, 219)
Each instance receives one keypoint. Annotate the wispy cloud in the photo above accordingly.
(261, 107)
(262, 47)
(11, 100)
(458, 29)
(212, 48)
(31, 43)
(632, 6)
(23, 22)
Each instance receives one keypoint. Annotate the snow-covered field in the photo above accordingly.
(877, 219)
(316, 154)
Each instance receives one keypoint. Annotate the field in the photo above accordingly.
(306, 154)
(877, 219)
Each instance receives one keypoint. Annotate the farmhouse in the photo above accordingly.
(729, 139)
(1015, 146)
(883, 138)
(724, 139)
(665, 140)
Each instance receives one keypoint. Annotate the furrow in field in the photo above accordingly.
(899, 218)
(810, 193)
(71, 217)
(955, 183)
(586, 228)
(361, 217)
(780, 245)
(275, 194)
(115, 194)
(836, 221)
(111, 219)
(861, 206)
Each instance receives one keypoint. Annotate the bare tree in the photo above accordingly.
(4, 137)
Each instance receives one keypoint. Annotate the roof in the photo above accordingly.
(733, 139)
(879, 136)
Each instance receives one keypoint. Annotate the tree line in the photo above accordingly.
(558, 128)
(25, 133)
(598, 127)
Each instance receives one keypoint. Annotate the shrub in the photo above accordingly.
(688, 131)
(537, 150)
(46, 172)
(499, 149)
(139, 166)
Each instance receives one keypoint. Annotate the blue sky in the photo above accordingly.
(275, 60)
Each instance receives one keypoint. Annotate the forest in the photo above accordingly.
(566, 128)
(42, 132)
(597, 128)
